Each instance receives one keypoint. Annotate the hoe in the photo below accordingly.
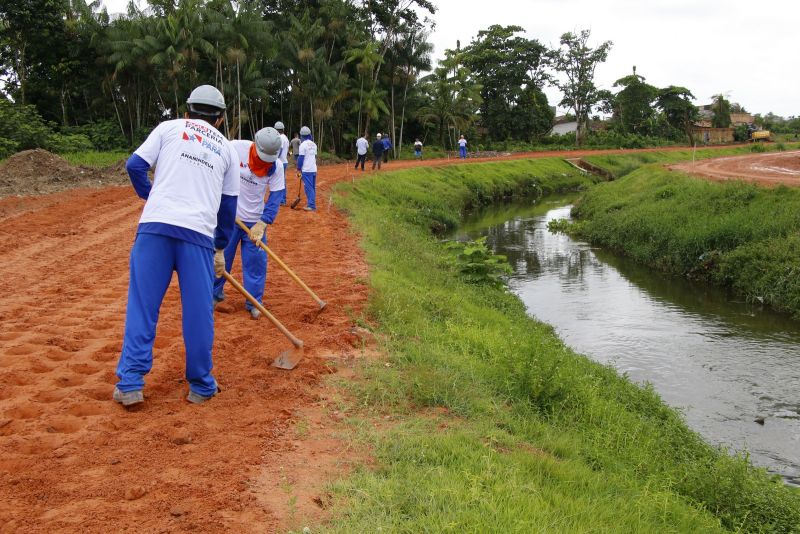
(285, 267)
(287, 359)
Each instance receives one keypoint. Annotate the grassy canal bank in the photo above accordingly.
(731, 234)
(488, 423)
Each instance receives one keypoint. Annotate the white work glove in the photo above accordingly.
(219, 263)
(257, 231)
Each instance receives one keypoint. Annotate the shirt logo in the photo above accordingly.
(205, 143)
(192, 137)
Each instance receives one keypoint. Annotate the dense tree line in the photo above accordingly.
(78, 77)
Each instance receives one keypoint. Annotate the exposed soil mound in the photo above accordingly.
(38, 171)
(764, 169)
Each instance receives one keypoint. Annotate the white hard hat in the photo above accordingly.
(378, 136)
(208, 95)
(268, 143)
(279, 126)
(305, 130)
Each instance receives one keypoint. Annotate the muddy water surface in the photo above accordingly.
(724, 363)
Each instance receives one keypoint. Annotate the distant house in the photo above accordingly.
(564, 127)
(712, 136)
(738, 118)
(566, 124)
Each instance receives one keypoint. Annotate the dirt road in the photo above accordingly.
(73, 460)
(764, 169)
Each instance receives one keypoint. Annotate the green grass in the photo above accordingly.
(487, 421)
(732, 234)
(96, 159)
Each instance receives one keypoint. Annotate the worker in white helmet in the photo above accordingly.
(307, 166)
(284, 153)
(189, 212)
(259, 170)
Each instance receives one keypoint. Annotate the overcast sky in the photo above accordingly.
(749, 50)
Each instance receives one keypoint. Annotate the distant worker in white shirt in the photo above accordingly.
(462, 147)
(418, 149)
(189, 213)
(259, 170)
(284, 153)
(362, 145)
(307, 165)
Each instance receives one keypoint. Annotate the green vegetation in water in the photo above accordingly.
(95, 158)
(490, 423)
(732, 234)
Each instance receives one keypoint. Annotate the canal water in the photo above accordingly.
(722, 362)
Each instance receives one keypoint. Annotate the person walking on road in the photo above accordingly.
(462, 147)
(307, 166)
(283, 156)
(387, 146)
(295, 144)
(418, 149)
(377, 152)
(259, 170)
(189, 213)
(361, 150)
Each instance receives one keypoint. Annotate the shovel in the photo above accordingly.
(287, 359)
(285, 267)
(296, 201)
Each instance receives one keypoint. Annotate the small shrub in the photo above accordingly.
(478, 264)
(60, 143)
(758, 147)
(7, 147)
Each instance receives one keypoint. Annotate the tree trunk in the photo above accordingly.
(403, 116)
(394, 131)
(239, 97)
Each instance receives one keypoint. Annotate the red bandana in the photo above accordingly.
(258, 166)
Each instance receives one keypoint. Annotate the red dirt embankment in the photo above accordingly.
(73, 460)
(764, 169)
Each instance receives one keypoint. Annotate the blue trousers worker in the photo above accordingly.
(462, 152)
(310, 187)
(283, 193)
(153, 259)
(254, 265)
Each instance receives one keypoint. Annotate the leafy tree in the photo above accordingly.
(535, 117)
(511, 71)
(676, 105)
(577, 61)
(31, 34)
(633, 105)
(721, 112)
(452, 99)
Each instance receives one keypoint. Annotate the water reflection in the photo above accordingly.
(723, 362)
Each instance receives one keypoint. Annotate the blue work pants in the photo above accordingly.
(254, 265)
(310, 187)
(153, 260)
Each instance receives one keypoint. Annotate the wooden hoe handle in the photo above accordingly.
(285, 267)
(285, 331)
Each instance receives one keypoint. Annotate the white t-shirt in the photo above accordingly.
(308, 148)
(462, 143)
(418, 145)
(361, 146)
(284, 154)
(195, 166)
(252, 188)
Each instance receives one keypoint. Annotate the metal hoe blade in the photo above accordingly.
(288, 359)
